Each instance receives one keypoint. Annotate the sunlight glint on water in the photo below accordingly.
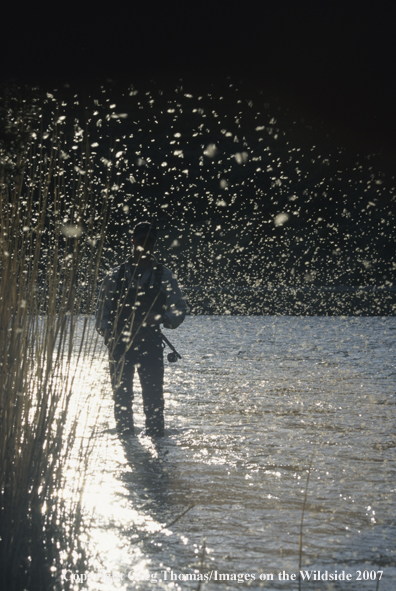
(251, 403)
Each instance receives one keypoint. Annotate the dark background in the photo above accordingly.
(327, 65)
(334, 59)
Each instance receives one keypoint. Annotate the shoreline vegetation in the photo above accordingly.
(75, 175)
(50, 219)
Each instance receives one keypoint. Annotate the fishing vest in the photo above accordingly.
(133, 302)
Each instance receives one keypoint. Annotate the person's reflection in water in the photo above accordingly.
(154, 485)
(149, 475)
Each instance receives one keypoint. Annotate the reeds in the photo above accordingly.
(53, 212)
(300, 538)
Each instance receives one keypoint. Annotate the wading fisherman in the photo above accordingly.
(135, 299)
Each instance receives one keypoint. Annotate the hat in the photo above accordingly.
(145, 230)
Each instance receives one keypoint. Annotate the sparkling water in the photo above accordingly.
(279, 430)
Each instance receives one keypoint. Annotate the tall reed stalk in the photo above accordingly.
(300, 540)
(53, 212)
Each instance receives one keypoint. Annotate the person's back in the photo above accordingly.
(135, 299)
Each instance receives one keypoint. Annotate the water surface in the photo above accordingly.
(255, 405)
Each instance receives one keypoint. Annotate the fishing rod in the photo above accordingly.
(174, 355)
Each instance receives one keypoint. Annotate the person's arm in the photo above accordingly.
(176, 306)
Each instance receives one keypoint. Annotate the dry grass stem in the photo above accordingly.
(302, 525)
(54, 211)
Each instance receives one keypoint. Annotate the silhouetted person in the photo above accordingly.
(135, 298)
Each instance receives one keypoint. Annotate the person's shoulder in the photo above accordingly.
(166, 272)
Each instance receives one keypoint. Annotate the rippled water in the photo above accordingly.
(254, 403)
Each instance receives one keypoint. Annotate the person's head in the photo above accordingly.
(144, 237)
